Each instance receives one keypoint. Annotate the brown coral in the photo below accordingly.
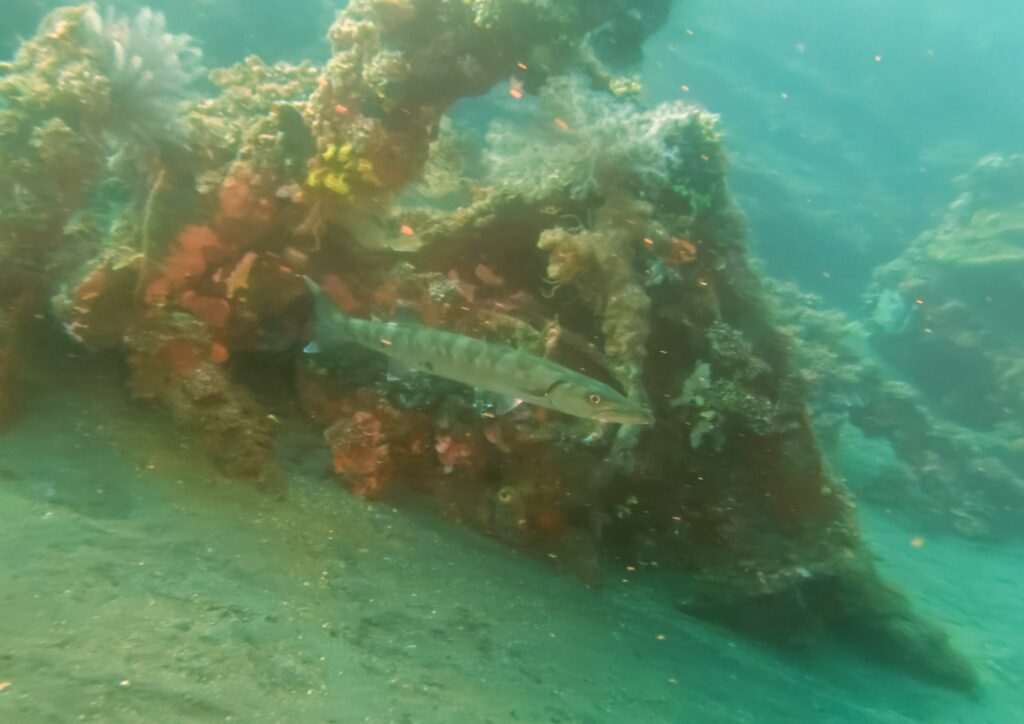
(173, 360)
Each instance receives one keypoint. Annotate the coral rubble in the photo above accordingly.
(608, 241)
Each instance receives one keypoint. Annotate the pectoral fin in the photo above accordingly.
(491, 404)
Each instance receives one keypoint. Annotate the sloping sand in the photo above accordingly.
(138, 586)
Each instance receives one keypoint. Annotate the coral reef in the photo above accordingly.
(148, 70)
(598, 263)
(173, 361)
(598, 233)
(947, 309)
(954, 296)
(586, 143)
(939, 473)
(77, 82)
(56, 100)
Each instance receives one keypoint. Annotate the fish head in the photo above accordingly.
(597, 401)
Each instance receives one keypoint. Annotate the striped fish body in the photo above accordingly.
(468, 360)
(492, 367)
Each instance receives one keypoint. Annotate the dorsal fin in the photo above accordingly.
(324, 305)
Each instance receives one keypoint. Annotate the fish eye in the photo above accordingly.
(595, 399)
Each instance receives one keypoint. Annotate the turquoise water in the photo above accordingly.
(400, 554)
(857, 153)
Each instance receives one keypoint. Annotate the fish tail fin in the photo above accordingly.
(329, 319)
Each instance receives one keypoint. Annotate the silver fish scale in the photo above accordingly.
(492, 367)
(457, 357)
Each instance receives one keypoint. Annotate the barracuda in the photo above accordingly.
(502, 370)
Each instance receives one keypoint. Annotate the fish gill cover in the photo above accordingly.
(598, 232)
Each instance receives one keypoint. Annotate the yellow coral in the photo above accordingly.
(625, 87)
(340, 169)
(315, 177)
(365, 170)
(336, 182)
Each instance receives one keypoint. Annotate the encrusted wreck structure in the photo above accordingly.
(587, 228)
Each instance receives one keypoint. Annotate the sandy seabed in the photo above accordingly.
(136, 585)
